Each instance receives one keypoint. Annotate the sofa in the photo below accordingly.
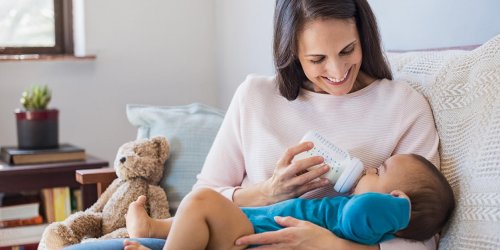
(462, 87)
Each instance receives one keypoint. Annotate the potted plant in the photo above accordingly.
(37, 126)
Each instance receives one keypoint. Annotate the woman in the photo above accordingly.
(332, 78)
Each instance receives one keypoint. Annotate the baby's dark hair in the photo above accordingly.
(432, 202)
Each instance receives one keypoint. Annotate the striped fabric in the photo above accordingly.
(385, 118)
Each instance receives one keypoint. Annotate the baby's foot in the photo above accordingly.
(137, 219)
(133, 245)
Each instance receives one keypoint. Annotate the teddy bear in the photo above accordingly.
(139, 166)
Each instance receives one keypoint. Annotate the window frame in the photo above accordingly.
(63, 21)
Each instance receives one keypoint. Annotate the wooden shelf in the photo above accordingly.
(47, 57)
(16, 178)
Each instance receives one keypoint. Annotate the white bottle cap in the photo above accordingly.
(353, 169)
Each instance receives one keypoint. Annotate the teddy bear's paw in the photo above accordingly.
(118, 233)
(57, 235)
(84, 224)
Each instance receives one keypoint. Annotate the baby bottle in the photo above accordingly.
(345, 170)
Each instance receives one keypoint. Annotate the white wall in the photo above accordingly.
(151, 52)
(409, 24)
(243, 43)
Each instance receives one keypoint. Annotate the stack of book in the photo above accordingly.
(21, 225)
(60, 202)
(65, 152)
(23, 218)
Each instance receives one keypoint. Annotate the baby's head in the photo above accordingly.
(430, 194)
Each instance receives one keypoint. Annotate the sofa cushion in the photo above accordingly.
(190, 131)
(462, 88)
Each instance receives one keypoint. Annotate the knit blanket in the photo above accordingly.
(463, 89)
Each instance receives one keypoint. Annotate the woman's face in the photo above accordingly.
(329, 51)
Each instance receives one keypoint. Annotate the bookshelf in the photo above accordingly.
(38, 176)
(35, 177)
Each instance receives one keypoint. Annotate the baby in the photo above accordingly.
(405, 197)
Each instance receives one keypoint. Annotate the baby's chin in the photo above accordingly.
(369, 190)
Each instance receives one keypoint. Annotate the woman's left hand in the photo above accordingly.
(297, 234)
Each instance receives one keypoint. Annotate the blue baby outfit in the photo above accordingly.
(367, 218)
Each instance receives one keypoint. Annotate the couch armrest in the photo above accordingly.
(101, 176)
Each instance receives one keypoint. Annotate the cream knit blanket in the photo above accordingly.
(463, 89)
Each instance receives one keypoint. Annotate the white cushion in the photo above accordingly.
(462, 88)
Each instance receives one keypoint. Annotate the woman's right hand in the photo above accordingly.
(289, 179)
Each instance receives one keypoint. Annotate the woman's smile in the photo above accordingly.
(335, 81)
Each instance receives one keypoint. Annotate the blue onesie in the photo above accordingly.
(367, 218)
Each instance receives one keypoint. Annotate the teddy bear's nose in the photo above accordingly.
(123, 159)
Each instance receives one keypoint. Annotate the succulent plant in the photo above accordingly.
(36, 97)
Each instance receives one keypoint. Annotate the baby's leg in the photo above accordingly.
(133, 245)
(141, 225)
(207, 220)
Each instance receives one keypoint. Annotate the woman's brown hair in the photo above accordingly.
(290, 17)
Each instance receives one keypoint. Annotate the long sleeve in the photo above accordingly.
(224, 167)
(371, 218)
(367, 218)
(419, 137)
(418, 134)
(398, 244)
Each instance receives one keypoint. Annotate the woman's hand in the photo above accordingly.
(299, 234)
(290, 180)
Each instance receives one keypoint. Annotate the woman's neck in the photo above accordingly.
(362, 81)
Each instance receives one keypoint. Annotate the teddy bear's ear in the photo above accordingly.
(162, 146)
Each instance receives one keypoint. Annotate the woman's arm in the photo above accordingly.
(420, 135)
(289, 179)
(421, 138)
(225, 166)
(398, 244)
(299, 234)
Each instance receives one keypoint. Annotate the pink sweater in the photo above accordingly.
(383, 119)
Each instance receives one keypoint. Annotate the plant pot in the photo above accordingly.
(37, 129)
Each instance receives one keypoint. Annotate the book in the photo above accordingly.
(15, 236)
(65, 152)
(22, 222)
(48, 205)
(76, 200)
(62, 203)
(20, 211)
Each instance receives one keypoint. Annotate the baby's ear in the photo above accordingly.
(398, 193)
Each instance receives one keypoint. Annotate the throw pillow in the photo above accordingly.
(462, 88)
(190, 131)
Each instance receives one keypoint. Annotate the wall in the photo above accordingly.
(151, 52)
(243, 43)
(408, 24)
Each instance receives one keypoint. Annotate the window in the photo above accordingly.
(36, 27)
